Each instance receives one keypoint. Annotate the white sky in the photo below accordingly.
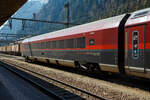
(43, 1)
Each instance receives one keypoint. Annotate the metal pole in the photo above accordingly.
(34, 16)
(67, 6)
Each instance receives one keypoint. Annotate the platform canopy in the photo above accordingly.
(8, 8)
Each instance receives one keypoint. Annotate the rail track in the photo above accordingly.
(47, 88)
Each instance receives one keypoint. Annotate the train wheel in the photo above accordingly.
(26, 59)
(93, 67)
(80, 66)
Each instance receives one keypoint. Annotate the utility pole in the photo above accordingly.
(34, 16)
(23, 24)
(67, 6)
(10, 23)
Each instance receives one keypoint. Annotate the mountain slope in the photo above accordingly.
(82, 11)
(24, 12)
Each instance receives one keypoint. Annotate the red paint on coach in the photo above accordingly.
(147, 36)
(104, 39)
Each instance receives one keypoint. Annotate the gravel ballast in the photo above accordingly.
(99, 87)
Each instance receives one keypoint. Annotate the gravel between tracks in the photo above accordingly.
(108, 90)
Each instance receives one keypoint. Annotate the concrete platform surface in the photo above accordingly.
(13, 87)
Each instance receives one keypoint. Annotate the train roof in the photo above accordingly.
(93, 26)
(139, 17)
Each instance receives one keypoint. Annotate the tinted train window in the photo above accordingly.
(38, 46)
(69, 43)
(81, 42)
(53, 44)
(135, 44)
(29, 45)
(25, 46)
(91, 42)
(141, 14)
(47, 45)
(57, 44)
(43, 45)
(61, 44)
(35, 45)
(32, 46)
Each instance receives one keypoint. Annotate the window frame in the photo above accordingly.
(90, 42)
(133, 54)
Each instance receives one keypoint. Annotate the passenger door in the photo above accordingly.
(134, 50)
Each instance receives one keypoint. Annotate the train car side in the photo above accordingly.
(87, 46)
(12, 49)
(137, 44)
(119, 44)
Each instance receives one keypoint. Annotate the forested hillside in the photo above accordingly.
(81, 11)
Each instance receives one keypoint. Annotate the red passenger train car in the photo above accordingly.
(118, 44)
(137, 39)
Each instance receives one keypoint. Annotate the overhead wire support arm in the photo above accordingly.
(34, 20)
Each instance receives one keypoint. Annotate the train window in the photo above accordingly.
(29, 45)
(47, 45)
(91, 42)
(81, 42)
(69, 43)
(42, 45)
(141, 14)
(32, 45)
(53, 44)
(38, 46)
(61, 44)
(35, 45)
(135, 44)
(25, 46)
(50, 44)
(57, 44)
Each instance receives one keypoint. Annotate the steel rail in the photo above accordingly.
(58, 81)
(46, 91)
